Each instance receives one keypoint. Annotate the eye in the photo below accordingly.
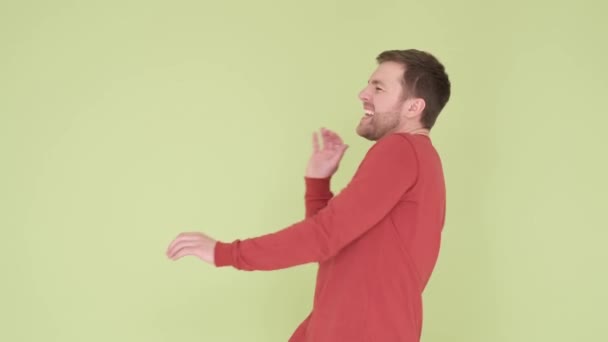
(378, 89)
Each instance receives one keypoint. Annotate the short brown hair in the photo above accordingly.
(424, 77)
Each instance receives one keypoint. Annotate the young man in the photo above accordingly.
(377, 241)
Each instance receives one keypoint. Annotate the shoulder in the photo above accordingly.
(393, 151)
(393, 144)
(391, 157)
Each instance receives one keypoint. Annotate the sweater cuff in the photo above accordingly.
(318, 187)
(223, 254)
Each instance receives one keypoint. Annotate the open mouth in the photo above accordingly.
(369, 113)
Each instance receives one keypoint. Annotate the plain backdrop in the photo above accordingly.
(123, 123)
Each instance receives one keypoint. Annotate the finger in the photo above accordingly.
(325, 131)
(326, 137)
(331, 141)
(333, 138)
(180, 245)
(184, 237)
(186, 251)
(337, 138)
(179, 239)
(315, 142)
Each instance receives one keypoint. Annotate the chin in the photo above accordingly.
(367, 134)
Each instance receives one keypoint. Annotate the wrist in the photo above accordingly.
(222, 254)
(317, 177)
(318, 187)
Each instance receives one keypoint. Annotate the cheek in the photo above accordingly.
(381, 104)
(386, 104)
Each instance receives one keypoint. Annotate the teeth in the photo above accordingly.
(369, 113)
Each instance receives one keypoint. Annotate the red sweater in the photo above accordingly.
(376, 244)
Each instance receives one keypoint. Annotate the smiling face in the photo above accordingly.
(384, 102)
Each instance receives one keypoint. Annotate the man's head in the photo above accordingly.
(406, 92)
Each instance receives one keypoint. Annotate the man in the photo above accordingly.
(378, 240)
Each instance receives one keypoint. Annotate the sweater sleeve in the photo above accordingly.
(387, 172)
(317, 194)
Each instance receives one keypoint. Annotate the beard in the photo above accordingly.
(379, 125)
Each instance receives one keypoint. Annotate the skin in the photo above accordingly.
(390, 109)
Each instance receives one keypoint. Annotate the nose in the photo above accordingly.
(364, 95)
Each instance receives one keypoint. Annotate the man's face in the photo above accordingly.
(383, 102)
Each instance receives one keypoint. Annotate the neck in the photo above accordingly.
(417, 130)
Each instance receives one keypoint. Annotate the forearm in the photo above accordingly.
(297, 244)
(317, 195)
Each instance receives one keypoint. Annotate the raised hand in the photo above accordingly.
(324, 161)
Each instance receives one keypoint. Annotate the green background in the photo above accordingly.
(124, 123)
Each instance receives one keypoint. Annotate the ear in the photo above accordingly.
(415, 107)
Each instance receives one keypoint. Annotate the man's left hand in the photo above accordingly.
(194, 244)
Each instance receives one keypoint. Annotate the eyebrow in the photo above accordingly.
(376, 82)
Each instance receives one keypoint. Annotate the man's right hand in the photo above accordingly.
(324, 161)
